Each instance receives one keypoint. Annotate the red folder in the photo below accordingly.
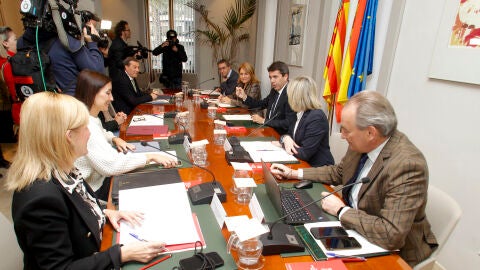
(147, 130)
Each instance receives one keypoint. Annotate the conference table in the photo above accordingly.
(201, 127)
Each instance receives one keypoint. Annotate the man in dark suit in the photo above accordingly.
(389, 210)
(117, 51)
(126, 93)
(229, 78)
(279, 113)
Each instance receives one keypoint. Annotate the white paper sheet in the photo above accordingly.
(233, 117)
(167, 214)
(266, 151)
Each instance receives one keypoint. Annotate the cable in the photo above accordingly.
(40, 60)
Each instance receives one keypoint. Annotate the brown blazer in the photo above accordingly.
(391, 208)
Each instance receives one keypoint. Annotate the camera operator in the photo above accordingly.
(173, 56)
(65, 64)
(118, 49)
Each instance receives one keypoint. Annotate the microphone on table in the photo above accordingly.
(201, 193)
(280, 240)
(198, 84)
(238, 153)
(179, 138)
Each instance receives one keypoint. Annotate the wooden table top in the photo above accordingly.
(201, 127)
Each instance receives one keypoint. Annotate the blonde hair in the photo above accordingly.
(4, 35)
(43, 149)
(303, 94)
(250, 70)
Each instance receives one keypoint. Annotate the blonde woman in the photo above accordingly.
(57, 219)
(307, 139)
(247, 81)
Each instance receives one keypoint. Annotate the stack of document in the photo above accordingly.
(266, 151)
(167, 215)
(237, 117)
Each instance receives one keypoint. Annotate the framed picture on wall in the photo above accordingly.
(296, 37)
(457, 48)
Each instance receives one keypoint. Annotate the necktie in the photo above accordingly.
(277, 97)
(346, 191)
(134, 87)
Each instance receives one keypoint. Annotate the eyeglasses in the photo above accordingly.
(128, 30)
(138, 119)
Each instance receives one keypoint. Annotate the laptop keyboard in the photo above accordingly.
(291, 201)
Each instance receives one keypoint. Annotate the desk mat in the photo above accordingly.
(164, 145)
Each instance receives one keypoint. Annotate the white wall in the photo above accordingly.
(441, 118)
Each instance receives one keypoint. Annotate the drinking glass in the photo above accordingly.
(199, 155)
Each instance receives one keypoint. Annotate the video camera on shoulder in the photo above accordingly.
(140, 52)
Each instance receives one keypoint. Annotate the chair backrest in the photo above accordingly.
(338, 146)
(443, 213)
(11, 256)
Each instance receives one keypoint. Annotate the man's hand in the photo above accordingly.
(258, 119)
(331, 204)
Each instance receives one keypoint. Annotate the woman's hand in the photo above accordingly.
(120, 117)
(240, 93)
(123, 146)
(167, 162)
(290, 145)
(131, 217)
(283, 172)
(141, 251)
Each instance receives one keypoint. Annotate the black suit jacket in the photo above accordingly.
(312, 137)
(116, 54)
(285, 116)
(125, 99)
(56, 229)
(228, 86)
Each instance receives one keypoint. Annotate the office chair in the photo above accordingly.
(338, 146)
(11, 255)
(443, 213)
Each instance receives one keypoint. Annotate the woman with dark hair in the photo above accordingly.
(57, 219)
(102, 161)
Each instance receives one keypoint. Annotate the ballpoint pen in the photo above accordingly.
(346, 258)
(156, 262)
(137, 237)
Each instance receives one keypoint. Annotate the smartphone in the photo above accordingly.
(324, 232)
(339, 243)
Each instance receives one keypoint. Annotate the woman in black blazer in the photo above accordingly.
(57, 219)
(307, 139)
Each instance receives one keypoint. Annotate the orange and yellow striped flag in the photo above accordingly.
(347, 67)
(333, 64)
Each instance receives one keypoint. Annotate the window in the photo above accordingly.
(183, 23)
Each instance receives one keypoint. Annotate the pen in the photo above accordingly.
(137, 237)
(346, 258)
(156, 262)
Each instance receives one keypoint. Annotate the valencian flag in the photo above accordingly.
(335, 55)
(358, 60)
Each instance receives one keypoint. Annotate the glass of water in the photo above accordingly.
(199, 155)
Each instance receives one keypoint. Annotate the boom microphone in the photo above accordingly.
(201, 193)
(262, 125)
(198, 84)
(283, 235)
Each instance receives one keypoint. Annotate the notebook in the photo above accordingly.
(288, 200)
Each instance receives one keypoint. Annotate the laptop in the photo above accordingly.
(288, 200)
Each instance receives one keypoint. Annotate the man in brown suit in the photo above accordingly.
(389, 210)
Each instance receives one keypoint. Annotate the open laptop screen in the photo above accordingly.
(272, 188)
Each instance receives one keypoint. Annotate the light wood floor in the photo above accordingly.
(9, 150)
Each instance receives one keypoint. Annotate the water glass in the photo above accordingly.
(199, 155)
(183, 121)
(219, 136)
(239, 174)
(197, 98)
(179, 100)
(244, 195)
(212, 111)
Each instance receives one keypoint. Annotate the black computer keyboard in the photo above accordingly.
(291, 201)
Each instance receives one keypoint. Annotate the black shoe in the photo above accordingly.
(4, 163)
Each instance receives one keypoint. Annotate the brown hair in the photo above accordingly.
(88, 84)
